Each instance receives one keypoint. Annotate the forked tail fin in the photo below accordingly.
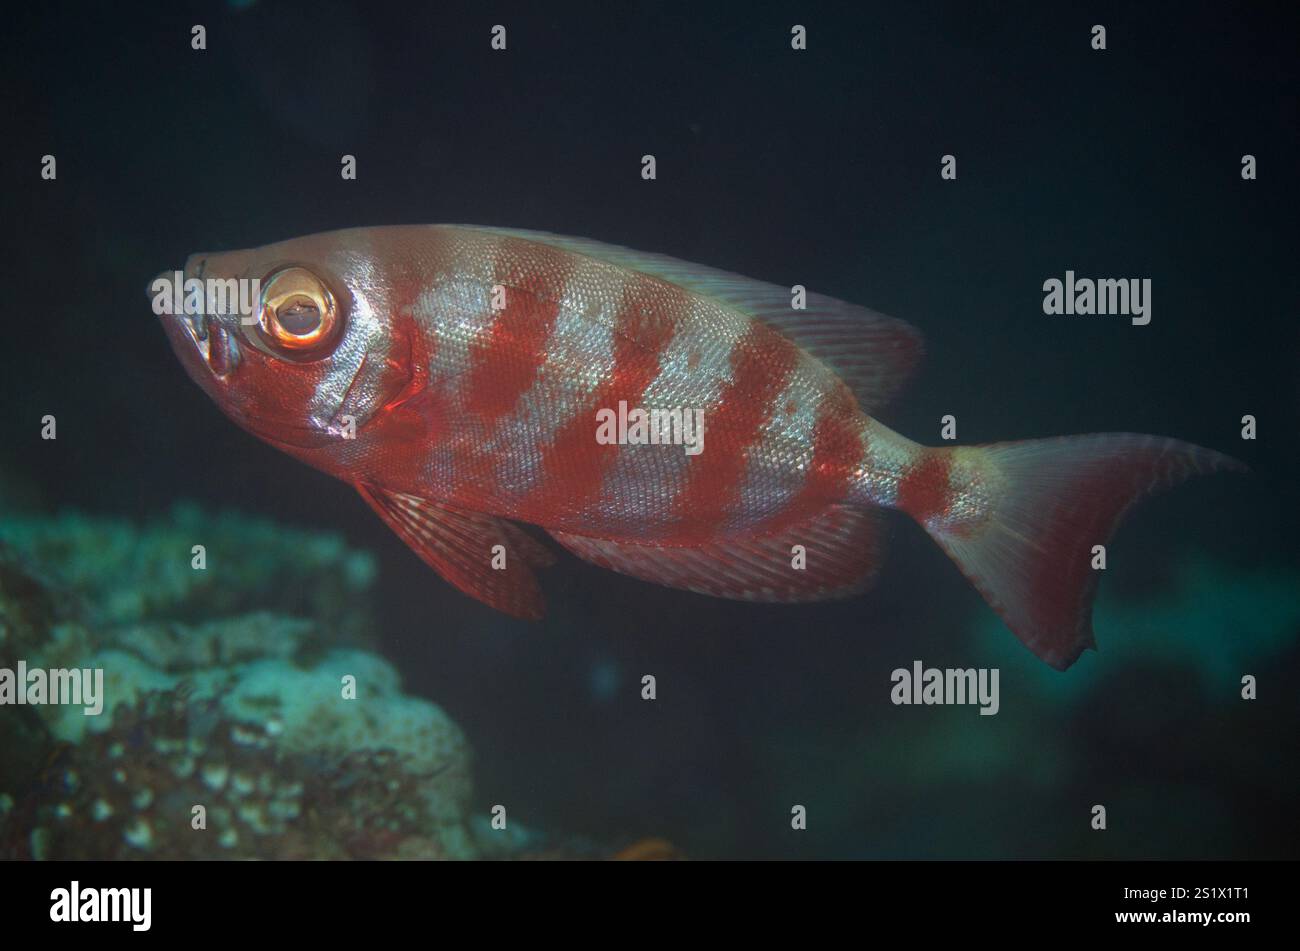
(1044, 504)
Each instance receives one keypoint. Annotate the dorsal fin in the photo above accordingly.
(873, 354)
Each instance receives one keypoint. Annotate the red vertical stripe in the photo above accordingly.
(762, 363)
(923, 492)
(504, 366)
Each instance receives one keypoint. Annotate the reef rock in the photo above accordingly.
(244, 715)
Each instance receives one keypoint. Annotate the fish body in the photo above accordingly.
(467, 379)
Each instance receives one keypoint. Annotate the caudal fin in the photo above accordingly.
(1042, 505)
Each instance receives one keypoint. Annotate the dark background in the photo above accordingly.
(818, 167)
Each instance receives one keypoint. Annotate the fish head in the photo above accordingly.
(298, 342)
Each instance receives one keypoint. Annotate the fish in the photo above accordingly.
(469, 381)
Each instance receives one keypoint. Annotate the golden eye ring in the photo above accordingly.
(298, 314)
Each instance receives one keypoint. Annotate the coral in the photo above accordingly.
(123, 573)
(244, 687)
(175, 777)
(27, 607)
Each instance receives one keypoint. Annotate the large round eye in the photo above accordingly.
(298, 312)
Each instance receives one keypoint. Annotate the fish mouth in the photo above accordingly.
(210, 340)
(196, 325)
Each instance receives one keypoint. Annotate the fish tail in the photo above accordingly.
(1023, 520)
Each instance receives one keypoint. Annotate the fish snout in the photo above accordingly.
(166, 290)
(196, 265)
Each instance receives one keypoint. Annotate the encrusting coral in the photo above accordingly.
(175, 777)
(243, 715)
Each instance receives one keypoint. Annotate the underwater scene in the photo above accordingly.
(649, 431)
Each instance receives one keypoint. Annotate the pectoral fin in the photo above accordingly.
(462, 547)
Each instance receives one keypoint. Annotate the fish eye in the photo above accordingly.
(298, 314)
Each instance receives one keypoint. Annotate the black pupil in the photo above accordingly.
(299, 318)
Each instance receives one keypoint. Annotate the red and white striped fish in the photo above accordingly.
(454, 376)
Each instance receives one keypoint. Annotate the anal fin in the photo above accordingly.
(459, 546)
(841, 546)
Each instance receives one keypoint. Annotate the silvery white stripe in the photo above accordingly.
(458, 314)
(778, 461)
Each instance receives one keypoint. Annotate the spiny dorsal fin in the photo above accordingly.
(873, 354)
